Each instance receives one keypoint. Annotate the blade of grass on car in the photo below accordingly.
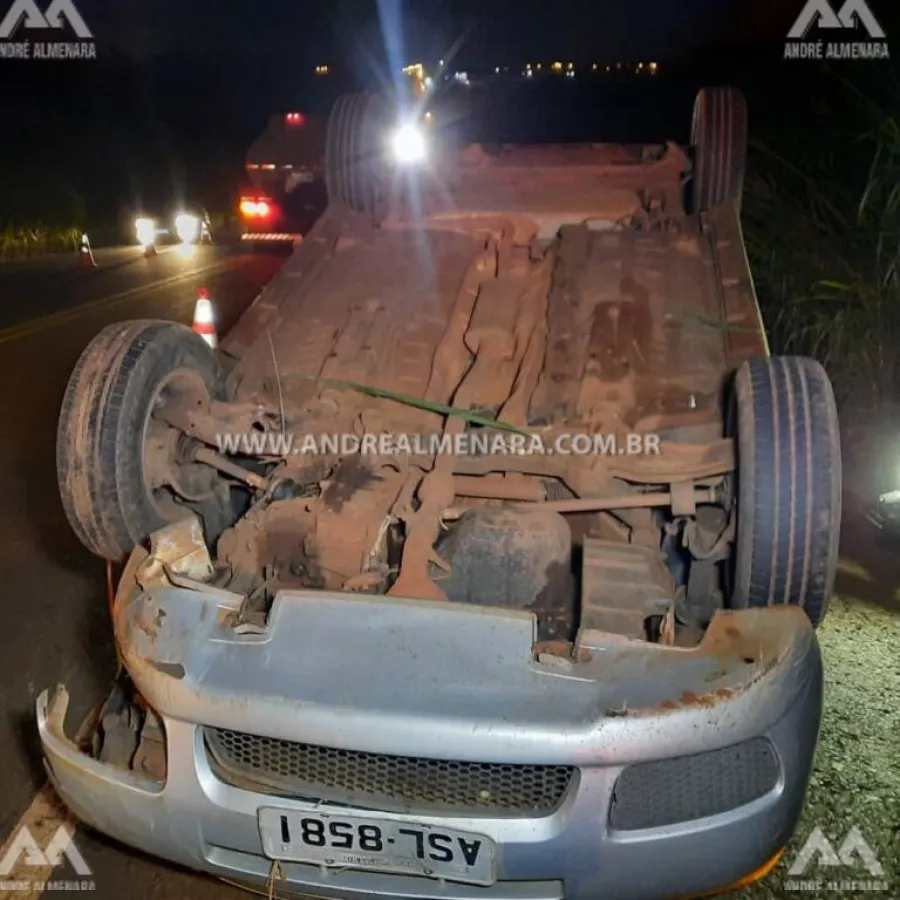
(473, 418)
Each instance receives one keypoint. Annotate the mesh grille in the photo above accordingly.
(654, 794)
(390, 783)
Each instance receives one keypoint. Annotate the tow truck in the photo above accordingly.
(285, 191)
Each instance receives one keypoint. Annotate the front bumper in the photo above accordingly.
(436, 681)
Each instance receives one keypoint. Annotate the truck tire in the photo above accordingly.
(719, 144)
(788, 485)
(354, 153)
(113, 458)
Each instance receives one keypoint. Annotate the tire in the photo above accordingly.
(354, 153)
(719, 132)
(105, 428)
(788, 485)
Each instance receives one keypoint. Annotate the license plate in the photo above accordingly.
(377, 845)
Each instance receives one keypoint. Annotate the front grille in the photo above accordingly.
(654, 794)
(410, 784)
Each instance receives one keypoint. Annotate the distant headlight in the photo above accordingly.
(146, 231)
(187, 227)
(408, 144)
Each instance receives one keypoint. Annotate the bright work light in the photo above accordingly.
(408, 144)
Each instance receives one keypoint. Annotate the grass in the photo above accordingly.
(824, 244)
(21, 241)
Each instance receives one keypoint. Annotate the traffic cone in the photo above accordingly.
(204, 319)
(86, 255)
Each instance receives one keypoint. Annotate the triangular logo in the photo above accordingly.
(853, 852)
(857, 12)
(855, 847)
(61, 845)
(22, 9)
(58, 12)
(65, 9)
(820, 13)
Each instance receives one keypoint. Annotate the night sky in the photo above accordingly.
(507, 30)
(244, 55)
(180, 88)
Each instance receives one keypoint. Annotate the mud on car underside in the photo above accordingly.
(582, 337)
(540, 295)
(575, 296)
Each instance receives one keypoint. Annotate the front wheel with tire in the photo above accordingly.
(788, 485)
(123, 471)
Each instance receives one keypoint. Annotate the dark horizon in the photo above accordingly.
(178, 92)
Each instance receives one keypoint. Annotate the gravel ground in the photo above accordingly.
(856, 780)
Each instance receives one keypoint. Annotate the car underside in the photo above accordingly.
(497, 471)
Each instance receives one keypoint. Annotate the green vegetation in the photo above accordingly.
(17, 241)
(823, 234)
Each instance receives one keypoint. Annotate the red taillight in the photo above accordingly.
(253, 208)
(295, 118)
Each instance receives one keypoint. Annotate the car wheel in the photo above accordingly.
(122, 471)
(354, 153)
(719, 144)
(787, 495)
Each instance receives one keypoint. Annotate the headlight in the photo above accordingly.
(146, 231)
(408, 144)
(187, 227)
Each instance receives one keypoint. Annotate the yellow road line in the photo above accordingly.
(34, 326)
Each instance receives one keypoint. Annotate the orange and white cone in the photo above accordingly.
(205, 319)
(85, 253)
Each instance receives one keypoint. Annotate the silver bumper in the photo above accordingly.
(433, 680)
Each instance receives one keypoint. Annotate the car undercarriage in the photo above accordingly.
(497, 470)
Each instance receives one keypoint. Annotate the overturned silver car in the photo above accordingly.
(465, 658)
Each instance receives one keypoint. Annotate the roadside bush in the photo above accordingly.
(19, 241)
(823, 235)
(826, 259)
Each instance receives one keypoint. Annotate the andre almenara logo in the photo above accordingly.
(24, 24)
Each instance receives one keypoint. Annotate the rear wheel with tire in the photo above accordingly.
(787, 489)
(124, 472)
(719, 144)
(354, 153)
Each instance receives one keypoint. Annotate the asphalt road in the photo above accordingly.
(56, 626)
